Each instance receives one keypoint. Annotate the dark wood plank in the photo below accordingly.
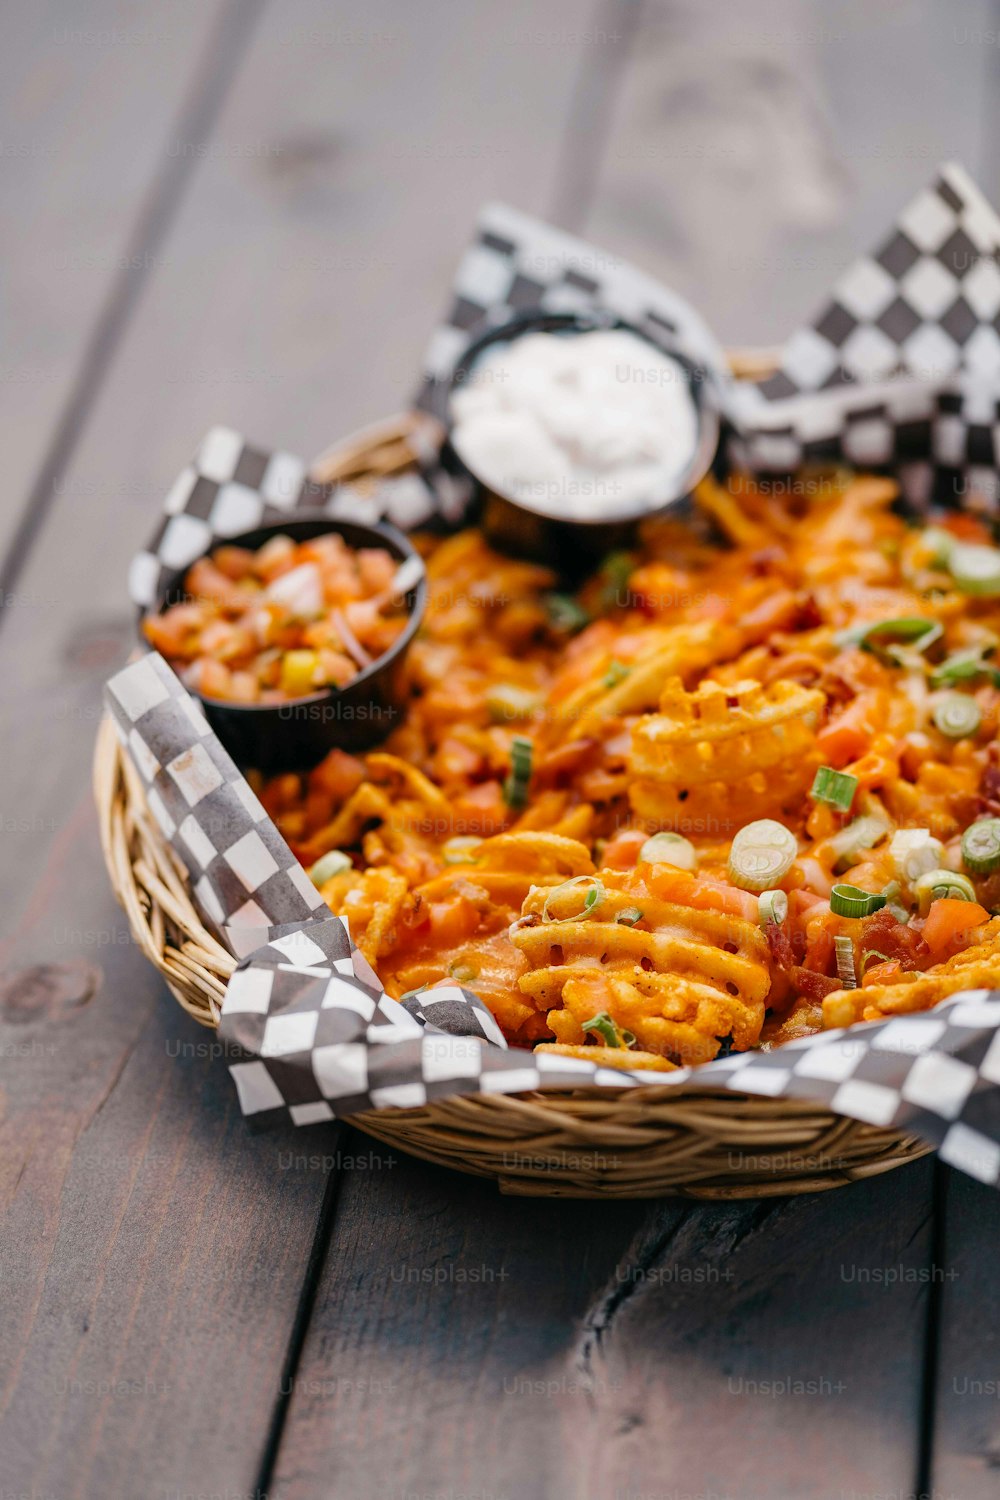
(153, 1252)
(757, 149)
(463, 1343)
(966, 1432)
(89, 100)
(150, 1235)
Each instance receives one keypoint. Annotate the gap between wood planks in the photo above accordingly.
(157, 212)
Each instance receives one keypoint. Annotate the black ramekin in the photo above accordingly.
(296, 735)
(572, 545)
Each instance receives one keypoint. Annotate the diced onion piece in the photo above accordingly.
(300, 590)
(846, 971)
(850, 901)
(939, 543)
(761, 854)
(772, 907)
(981, 846)
(938, 884)
(334, 862)
(913, 852)
(406, 577)
(835, 787)
(975, 569)
(669, 849)
(957, 715)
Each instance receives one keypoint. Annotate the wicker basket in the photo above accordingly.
(579, 1143)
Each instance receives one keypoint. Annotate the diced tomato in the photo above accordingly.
(884, 973)
(947, 923)
(480, 810)
(621, 852)
(845, 738)
(452, 921)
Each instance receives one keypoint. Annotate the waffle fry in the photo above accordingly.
(748, 746)
(693, 687)
(680, 979)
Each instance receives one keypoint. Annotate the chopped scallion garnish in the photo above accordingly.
(608, 1030)
(938, 885)
(846, 972)
(835, 787)
(975, 569)
(595, 894)
(334, 862)
(628, 916)
(616, 673)
(882, 636)
(981, 846)
(957, 715)
(965, 666)
(669, 849)
(864, 833)
(761, 854)
(565, 613)
(772, 907)
(850, 901)
(515, 788)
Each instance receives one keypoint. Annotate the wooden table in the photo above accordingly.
(231, 211)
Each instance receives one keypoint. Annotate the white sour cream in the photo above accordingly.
(582, 426)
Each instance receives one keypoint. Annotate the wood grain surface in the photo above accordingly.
(254, 210)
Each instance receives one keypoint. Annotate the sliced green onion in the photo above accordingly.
(565, 613)
(939, 543)
(835, 787)
(913, 852)
(461, 972)
(515, 788)
(939, 884)
(880, 636)
(864, 833)
(761, 854)
(957, 715)
(460, 850)
(772, 906)
(616, 673)
(867, 954)
(846, 972)
(616, 570)
(595, 895)
(981, 846)
(628, 916)
(669, 849)
(328, 865)
(608, 1030)
(965, 666)
(850, 901)
(506, 701)
(975, 569)
(892, 893)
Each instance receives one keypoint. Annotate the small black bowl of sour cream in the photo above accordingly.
(581, 419)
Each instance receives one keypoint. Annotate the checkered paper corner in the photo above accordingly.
(231, 487)
(516, 263)
(901, 369)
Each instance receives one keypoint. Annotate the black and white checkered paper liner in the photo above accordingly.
(315, 1035)
(230, 487)
(901, 369)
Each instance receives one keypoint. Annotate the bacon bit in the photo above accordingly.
(782, 952)
(565, 761)
(621, 852)
(813, 986)
(884, 933)
(989, 790)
